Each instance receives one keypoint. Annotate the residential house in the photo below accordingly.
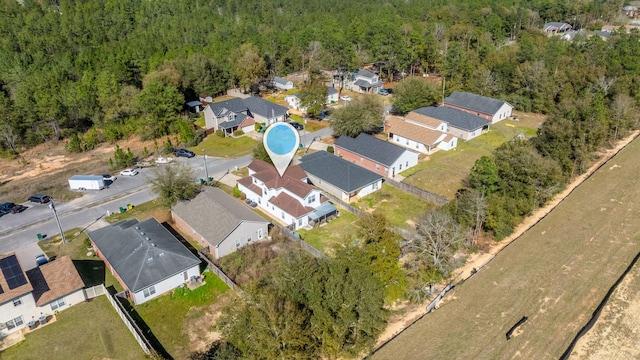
(282, 83)
(30, 297)
(332, 95)
(381, 157)
(556, 27)
(630, 11)
(459, 123)
(218, 221)
(242, 114)
(363, 81)
(288, 198)
(339, 177)
(294, 100)
(145, 258)
(493, 110)
(412, 135)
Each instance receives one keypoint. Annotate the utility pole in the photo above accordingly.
(206, 171)
(55, 214)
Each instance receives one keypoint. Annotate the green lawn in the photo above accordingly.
(442, 173)
(227, 147)
(338, 231)
(399, 207)
(90, 330)
(170, 316)
(141, 212)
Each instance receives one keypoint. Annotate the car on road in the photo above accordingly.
(108, 177)
(383, 92)
(10, 207)
(129, 172)
(39, 198)
(163, 160)
(345, 97)
(184, 152)
(296, 125)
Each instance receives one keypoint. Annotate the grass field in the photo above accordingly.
(442, 173)
(90, 330)
(338, 231)
(399, 207)
(224, 147)
(555, 274)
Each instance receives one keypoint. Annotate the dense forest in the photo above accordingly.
(127, 67)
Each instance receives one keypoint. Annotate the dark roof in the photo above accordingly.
(367, 84)
(331, 90)
(477, 103)
(142, 253)
(341, 173)
(559, 25)
(456, 118)
(11, 292)
(290, 180)
(264, 107)
(236, 105)
(214, 214)
(237, 121)
(372, 148)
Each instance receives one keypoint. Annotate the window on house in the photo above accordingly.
(311, 199)
(149, 291)
(58, 304)
(407, 141)
(282, 214)
(377, 167)
(407, 164)
(299, 222)
(259, 233)
(238, 243)
(249, 238)
(17, 302)
(417, 146)
(400, 167)
(375, 185)
(259, 202)
(14, 322)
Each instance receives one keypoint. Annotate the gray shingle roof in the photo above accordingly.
(264, 108)
(367, 84)
(365, 73)
(372, 148)
(331, 90)
(214, 214)
(236, 105)
(139, 262)
(454, 117)
(239, 118)
(473, 102)
(339, 172)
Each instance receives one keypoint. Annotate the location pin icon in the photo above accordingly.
(281, 141)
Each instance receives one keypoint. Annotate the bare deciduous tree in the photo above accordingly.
(438, 237)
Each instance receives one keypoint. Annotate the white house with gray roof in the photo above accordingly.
(242, 114)
(282, 83)
(459, 123)
(363, 81)
(339, 177)
(490, 109)
(380, 156)
(146, 259)
(218, 221)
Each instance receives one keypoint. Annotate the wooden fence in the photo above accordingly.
(308, 248)
(440, 200)
(202, 253)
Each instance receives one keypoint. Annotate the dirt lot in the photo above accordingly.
(555, 274)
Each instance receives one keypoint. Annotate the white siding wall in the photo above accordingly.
(407, 160)
(410, 144)
(463, 134)
(503, 113)
(249, 128)
(240, 237)
(370, 188)
(27, 309)
(167, 285)
(448, 145)
(210, 121)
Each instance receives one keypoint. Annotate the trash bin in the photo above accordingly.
(129, 207)
(201, 181)
(210, 179)
(42, 320)
(40, 237)
(122, 209)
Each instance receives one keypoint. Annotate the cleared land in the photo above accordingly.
(555, 274)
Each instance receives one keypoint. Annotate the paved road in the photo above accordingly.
(18, 232)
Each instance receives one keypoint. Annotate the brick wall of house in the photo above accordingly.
(109, 267)
(185, 228)
(362, 162)
(484, 116)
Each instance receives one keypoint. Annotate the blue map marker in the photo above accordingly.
(281, 141)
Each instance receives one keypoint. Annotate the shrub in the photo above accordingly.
(236, 191)
(74, 145)
(238, 133)
(330, 149)
(220, 132)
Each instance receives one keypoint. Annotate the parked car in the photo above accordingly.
(129, 172)
(183, 152)
(383, 92)
(345, 98)
(108, 177)
(164, 160)
(296, 125)
(39, 198)
(41, 259)
(10, 207)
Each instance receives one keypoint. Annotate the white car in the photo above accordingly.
(164, 160)
(345, 98)
(108, 177)
(129, 172)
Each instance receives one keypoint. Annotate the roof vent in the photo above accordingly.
(137, 227)
(153, 244)
(147, 238)
(141, 232)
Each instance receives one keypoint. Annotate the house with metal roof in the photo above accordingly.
(363, 81)
(490, 109)
(415, 136)
(339, 177)
(282, 83)
(219, 222)
(288, 198)
(460, 123)
(30, 298)
(381, 157)
(242, 114)
(145, 258)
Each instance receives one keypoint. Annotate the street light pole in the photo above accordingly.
(206, 171)
(55, 214)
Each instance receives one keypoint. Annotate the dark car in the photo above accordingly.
(296, 125)
(39, 198)
(10, 207)
(183, 152)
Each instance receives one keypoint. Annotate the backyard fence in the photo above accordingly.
(440, 200)
(126, 319)
(308, 248)
(202, 253)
